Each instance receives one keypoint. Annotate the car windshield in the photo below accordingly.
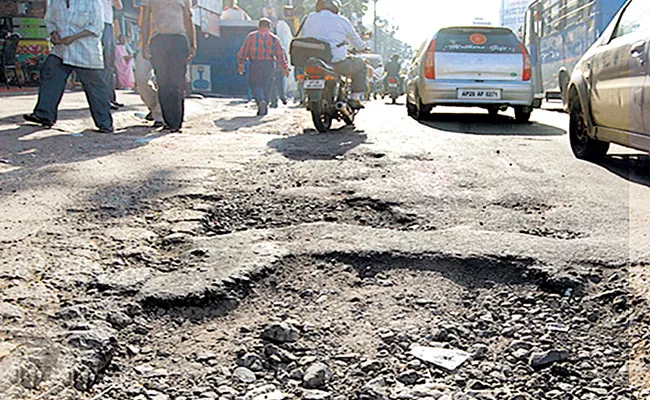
(491, 41)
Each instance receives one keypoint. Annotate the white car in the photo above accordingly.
(472, 67)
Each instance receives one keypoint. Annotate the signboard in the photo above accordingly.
(201, 78)
(30, 28)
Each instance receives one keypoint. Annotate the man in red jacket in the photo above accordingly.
(264, 50)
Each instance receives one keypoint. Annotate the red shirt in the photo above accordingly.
(262, 45)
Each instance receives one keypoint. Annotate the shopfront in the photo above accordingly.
(26, 19)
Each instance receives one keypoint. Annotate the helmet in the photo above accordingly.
(332, 5)
(395, 57)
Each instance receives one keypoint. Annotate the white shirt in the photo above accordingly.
(333, 29)
(107, 6)
(82, 15)
(234, 14)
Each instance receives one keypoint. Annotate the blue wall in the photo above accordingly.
(221, 54)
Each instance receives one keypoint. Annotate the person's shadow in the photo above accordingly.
(311, 145)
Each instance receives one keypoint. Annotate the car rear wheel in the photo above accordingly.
(583, 146)
(421, 110)
(410, 107)
(522, 114)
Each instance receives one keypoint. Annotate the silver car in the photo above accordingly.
(609, 93)
(472, 66)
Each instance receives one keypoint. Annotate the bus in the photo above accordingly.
(558, 33)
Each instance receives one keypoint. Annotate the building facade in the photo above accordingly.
(513, 14)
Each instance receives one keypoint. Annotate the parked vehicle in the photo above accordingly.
(327, 95)
(557, 33)
(472, 66)
(609, 91)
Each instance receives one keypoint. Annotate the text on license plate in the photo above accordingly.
(315, 84)
(479, 94)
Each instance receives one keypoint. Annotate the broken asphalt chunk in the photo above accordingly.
(447, 359)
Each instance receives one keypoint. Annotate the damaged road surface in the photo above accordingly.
(253, 259)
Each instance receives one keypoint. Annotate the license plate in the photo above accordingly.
(474, 94)
(393, 85)
(315, 84)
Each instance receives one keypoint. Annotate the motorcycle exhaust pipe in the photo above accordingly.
(344, 109)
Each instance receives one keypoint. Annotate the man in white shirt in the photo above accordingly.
(75, 28)
(108, 44)
(328, 26)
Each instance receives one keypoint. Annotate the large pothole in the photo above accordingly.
(243, 211)
(361, 315)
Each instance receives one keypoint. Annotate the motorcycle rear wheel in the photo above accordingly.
(322, 120)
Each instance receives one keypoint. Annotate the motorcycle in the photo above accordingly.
(327, 95)
(393, 89)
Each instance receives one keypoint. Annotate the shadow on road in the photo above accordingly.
(312, 145)
(633, 167)
(484, 124)
(237, 123)
(29, 147)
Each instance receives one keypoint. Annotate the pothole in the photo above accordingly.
(562, 234)
(360, 315)
(244, 211)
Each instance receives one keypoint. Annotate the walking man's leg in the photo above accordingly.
(148, 93)
(54, 76)
(108, 45)
(255, 83)
(169, 55)
(267, 76)
(97, 94)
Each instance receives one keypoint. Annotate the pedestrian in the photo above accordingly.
(108, 46)
(144, 81)
(264, 50)
(172, 46)
(77, 40)
(124, 64)
(279, 82)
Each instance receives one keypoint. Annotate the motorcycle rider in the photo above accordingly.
(328, 26)
(393, 68)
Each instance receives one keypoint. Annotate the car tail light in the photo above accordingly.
(430, 61)
(528, 64)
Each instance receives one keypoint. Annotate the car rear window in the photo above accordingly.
(477, 41)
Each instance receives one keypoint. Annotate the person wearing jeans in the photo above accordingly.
(75, 28)
(170, 47)
(264, 50)
(108, 47)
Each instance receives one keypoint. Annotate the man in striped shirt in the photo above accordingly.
(264, 50)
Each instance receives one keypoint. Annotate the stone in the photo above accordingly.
(118, 319)
(226, 390)
(479, 351)
(447, 359)
(283, 355)
(244, 375)
(540, 360)
(209, 395)
(371, 366)
(11, 312)
(281, 332)
(251, 361)
(478, 385)
(316, 395)
(317, 376)
(409, 377)
(297, 374)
